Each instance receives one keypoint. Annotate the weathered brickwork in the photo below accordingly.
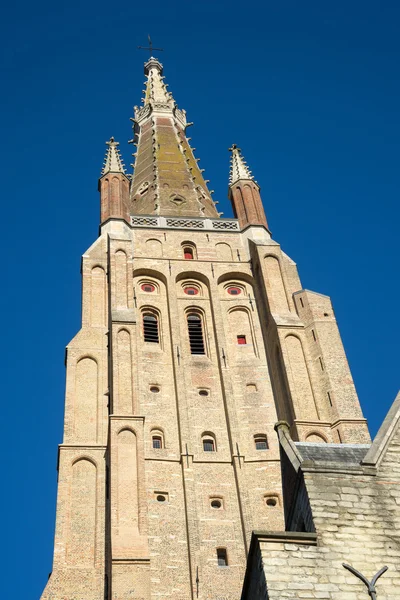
(169, 452)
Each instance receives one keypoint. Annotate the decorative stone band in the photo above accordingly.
(182, 223)
(185, 223)
(141, 113)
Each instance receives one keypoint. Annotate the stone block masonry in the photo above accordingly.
(354, 496)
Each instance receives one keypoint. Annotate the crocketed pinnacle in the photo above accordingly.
(244, 192)
(167, 179)
(239, 168)
(112, 161)
(156, 90)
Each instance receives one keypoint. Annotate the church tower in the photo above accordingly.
(196, 338)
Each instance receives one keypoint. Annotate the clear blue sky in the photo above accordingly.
(309, 90)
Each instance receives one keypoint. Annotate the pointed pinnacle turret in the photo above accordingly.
(244, 192)
(113, 186)
(112, 161)
(239, 168)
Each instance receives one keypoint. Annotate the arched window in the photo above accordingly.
(195, 329)
(157, 442)
(157, 439)
(189, 250)
(315, 437)
(208, 442)
(208, 445)
(150, 328)
(261, 441)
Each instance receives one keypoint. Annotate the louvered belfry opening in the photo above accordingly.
(150, 328)
(196, 338)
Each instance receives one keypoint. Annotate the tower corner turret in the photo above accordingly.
(244, 192)
(113, 186)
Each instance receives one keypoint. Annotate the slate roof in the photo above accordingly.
(349, 454)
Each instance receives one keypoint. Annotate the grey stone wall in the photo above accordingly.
(356, 514)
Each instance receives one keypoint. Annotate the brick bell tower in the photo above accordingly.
(196, 338)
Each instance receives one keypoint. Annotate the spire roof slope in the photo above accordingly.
(167, 179)
(112, 161)
(239, 168)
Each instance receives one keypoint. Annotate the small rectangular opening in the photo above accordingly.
(330, 399)
(222, 557)
(301, 302)
(241, 340)
(313, 334)
(321, 363)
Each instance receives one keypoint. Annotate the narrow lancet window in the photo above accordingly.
(150, 328)
(196, 337)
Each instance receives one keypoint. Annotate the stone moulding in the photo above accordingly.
(185, 223)
(288, 537)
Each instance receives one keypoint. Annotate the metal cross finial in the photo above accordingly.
(150, 47)
(370, 584)
(233, 147)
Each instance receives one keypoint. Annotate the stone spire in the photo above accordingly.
(112, 160)
(167, 179)
(239, 168)
(156, 90)
(113, 186)
(244, 192)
